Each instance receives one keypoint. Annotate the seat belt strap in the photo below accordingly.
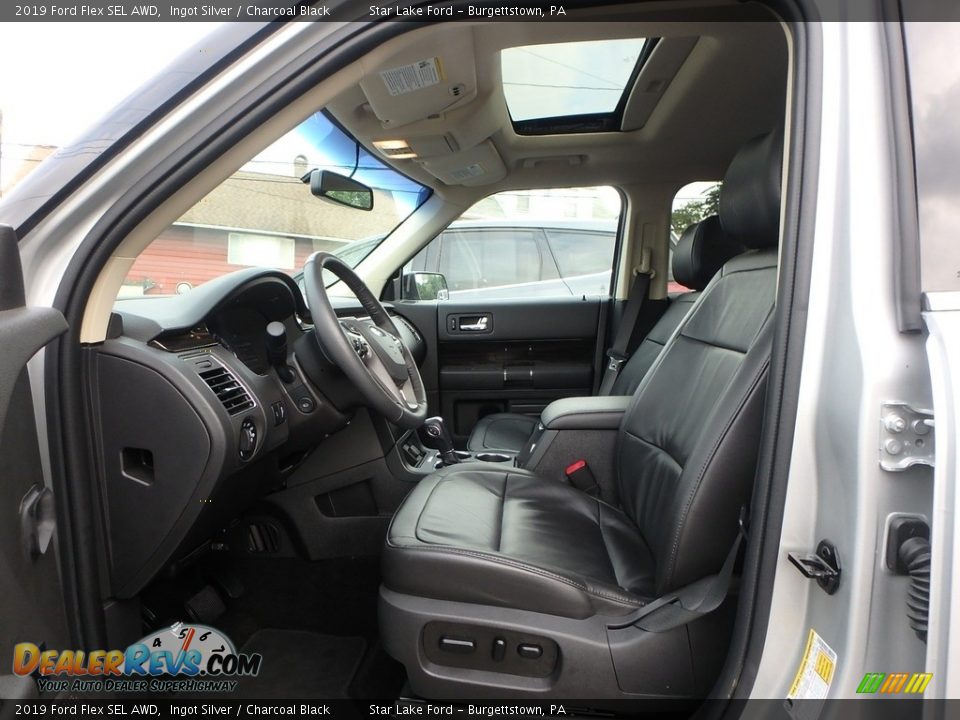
(695, 600)
(617, 353)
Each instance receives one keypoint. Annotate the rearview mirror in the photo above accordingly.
(341, 190)
(425, 286)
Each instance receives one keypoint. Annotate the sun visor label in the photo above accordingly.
(415, 76)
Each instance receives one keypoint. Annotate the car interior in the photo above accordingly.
(391, 493)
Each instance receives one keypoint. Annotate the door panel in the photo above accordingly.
(32, 604)
(513, 356)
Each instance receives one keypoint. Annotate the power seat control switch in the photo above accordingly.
(529, 651)
(460, 646)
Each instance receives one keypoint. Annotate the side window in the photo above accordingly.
(691, 204)
(490, 258)
(584, 259)
(528, 244)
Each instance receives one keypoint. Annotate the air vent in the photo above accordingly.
(230, 392)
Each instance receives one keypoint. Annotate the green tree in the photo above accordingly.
(696, 210)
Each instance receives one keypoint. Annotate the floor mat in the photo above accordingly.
(301, 664)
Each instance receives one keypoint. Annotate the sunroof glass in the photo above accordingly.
(565, 79)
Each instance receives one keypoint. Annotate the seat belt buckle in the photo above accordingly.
(580, 476)
(615, 361)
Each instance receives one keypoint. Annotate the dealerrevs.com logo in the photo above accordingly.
(181, 658)
(894, 683)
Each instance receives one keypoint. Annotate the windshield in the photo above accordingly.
(264, 215)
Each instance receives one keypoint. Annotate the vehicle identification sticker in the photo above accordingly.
(816, 670)
(415, 76)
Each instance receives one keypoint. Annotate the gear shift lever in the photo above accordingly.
(434, 434)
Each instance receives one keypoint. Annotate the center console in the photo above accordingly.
(431, 447)
(572, 429)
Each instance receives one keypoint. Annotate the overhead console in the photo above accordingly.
(411, 93)
(480, 165)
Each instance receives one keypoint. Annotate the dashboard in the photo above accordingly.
(196, 422)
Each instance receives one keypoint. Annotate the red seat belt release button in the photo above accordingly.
(578, 473)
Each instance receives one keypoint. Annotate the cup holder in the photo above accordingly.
(462, 454)
(492, 457)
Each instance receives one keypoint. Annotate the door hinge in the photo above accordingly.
(906, 437)
(823, 566)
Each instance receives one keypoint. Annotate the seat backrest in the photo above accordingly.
(702, 250)
(688, 442)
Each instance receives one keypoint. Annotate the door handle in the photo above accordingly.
(478, 325)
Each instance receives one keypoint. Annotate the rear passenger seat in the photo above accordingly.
(701, 251)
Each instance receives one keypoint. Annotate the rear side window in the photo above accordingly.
(691, 204)
(530, 244)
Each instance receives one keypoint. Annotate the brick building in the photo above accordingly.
(251, 219)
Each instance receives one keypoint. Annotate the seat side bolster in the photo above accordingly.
(708, 515)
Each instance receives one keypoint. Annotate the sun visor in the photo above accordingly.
(480, 165)
(418, 84)
(654, 79)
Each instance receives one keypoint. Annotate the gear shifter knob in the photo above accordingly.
(434, 434)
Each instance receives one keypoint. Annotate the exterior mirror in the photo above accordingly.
(425, 286)
(341, 190)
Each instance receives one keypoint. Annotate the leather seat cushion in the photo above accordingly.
(501, 431)
(482, 533)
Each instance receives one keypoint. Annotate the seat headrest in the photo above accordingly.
(750, 195)
(701, 251)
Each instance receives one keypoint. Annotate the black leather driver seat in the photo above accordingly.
(702, 250)
(497, 581)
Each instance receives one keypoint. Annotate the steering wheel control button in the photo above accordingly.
(460, 646)
(360, 347)
(248, 439)
(529, 651)
(279, 412)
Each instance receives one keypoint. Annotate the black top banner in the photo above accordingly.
(212, 707)
(519, 10)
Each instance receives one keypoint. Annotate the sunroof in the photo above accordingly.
(571, 79)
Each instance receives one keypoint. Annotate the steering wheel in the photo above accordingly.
(371, 355)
